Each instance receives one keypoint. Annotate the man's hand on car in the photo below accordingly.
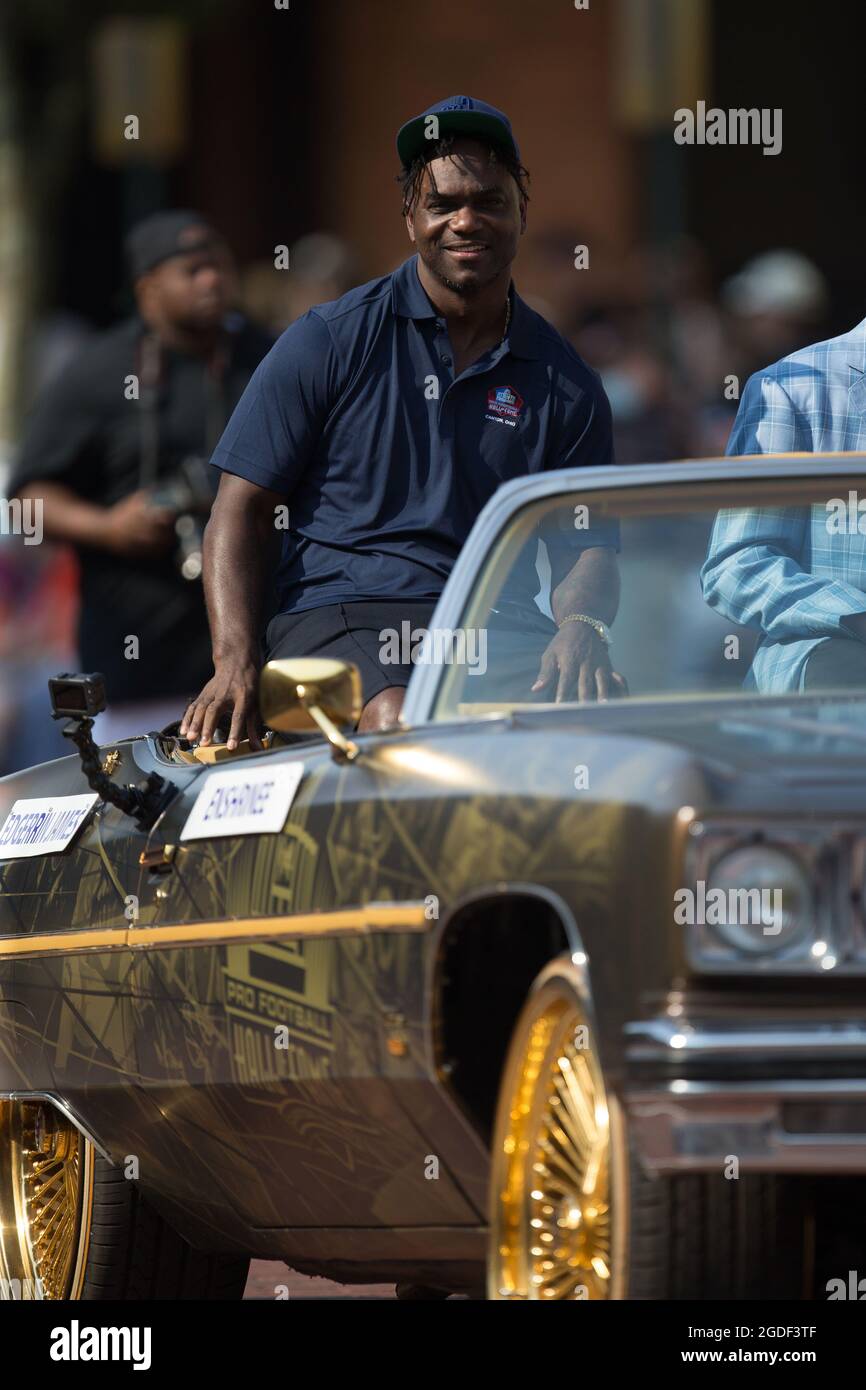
(576, 665)
(233, 690)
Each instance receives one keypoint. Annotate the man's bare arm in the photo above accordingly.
(131, 527)
(590, 586)
(239, 542)
(576, 658)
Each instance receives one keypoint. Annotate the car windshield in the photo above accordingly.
(726, 589)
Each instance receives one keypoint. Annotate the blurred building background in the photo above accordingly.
(276, 119)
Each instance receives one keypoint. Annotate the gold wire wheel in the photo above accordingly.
(46, 1198)
(557, 1212)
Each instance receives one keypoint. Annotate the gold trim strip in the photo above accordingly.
(374, 917)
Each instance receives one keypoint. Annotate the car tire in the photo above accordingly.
(573, 1212)
(136, 1254)
(109, 1243)
(702, 1236)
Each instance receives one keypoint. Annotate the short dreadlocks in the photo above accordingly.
(411, 175)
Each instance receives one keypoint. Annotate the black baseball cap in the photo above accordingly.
(455, 116)
(167, 234)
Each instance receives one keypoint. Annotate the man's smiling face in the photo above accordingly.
(468, 219)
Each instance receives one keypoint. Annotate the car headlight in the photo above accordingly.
(759, 900)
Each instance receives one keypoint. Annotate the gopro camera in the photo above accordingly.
(77, 697)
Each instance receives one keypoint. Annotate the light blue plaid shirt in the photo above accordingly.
(782, 570)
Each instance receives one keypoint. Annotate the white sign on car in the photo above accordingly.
(43, 824)
(243, 801)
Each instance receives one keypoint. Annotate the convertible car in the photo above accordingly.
(526, 998)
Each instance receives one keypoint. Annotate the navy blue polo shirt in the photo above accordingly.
(385, 459)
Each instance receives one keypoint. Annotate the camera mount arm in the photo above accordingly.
(80, 698)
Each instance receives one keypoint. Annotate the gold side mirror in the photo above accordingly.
(297, 693)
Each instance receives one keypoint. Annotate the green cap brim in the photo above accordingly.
(412, 139)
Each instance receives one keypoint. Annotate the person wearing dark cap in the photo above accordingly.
(386, 420)
(116, 451)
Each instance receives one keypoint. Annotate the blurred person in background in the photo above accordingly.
(321, 267)
(625, 335)
(697, 342)
(650, 322)
(775, 303)
(648, 420)
(565, 275)
(57, 339)
(264, 296)
(117, 451)
(697, 334)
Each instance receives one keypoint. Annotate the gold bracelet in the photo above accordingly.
(598, 627)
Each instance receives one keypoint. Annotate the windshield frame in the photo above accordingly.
(503, 511)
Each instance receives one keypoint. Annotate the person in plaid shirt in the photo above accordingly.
(793, 572)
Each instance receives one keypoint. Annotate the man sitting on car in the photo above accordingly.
(799, 574)
(384, 421)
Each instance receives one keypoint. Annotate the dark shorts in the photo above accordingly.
(838, 663)
(372, 635)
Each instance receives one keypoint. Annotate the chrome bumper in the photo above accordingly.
(697, 1096)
